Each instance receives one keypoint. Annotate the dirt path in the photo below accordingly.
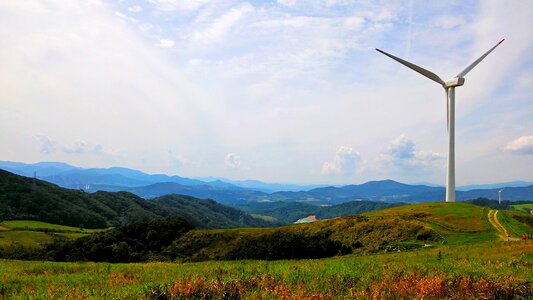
(502, 232)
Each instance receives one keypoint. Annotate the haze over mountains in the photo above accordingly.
(239, 192)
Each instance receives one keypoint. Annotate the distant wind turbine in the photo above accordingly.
(449, 86)
(500, 196)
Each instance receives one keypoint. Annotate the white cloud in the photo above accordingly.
(221, 25)
(522, 145)
(289, 3)
(166, 43)
(79, 147)
(47, 145)
(171, 5)
(232, 161)
(344, 161)
(401, 148)
(402, 152)
(135, 8)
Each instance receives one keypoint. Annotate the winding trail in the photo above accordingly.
(502, 232)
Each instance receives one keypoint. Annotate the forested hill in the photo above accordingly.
(23, 198)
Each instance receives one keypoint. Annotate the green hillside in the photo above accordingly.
(393, 229)
(19, 237)
(454, 216)
(205, 213)
(23, 198)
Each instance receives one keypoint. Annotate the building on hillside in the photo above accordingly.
(308, 219)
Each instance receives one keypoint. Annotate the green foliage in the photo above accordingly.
(131, 243)
(506, 204)
(206, 213)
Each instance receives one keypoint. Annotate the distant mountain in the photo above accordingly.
(41, 168)
(32, 199)
(510, 193)
(495, 185)
(69, 176)
(265, 187)
(392, 191)
(385, 190)
(220, 194)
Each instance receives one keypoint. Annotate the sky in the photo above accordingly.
(281, 91)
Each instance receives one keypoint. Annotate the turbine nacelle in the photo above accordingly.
(456, 81)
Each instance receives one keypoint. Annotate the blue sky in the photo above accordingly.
(283, 91)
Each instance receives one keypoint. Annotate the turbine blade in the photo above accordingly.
(471, 66)
(414, 67)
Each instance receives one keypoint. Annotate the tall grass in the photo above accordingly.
(483, 270)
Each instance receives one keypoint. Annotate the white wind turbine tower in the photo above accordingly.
(500, 196)
(449, 86)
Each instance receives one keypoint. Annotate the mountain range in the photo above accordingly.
(240, 192)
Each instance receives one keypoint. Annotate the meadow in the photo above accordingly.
(494, 269)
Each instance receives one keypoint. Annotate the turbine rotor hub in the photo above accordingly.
(456, 81)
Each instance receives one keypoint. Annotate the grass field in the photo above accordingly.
(25, 225)
(514, 227)
(457, 223)
(30, 239)
(33, 234)
(483, 270)
(456, 216)
(523, 206)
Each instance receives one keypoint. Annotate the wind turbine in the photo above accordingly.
(500, 196)
(449, 87)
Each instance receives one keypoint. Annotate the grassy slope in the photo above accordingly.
(33, 234)
(456, 222)
(523, 206)
(29, 239)
(26, 224)
(402, 227)
(513, 225)
(362, 236)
